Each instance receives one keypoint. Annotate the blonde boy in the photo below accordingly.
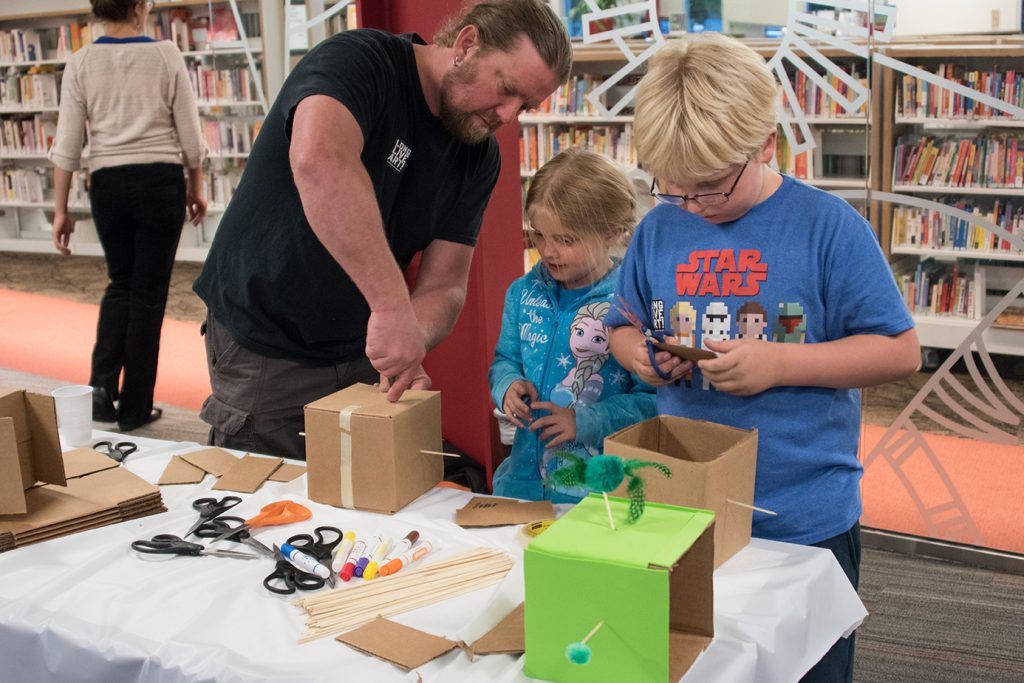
(730, 230)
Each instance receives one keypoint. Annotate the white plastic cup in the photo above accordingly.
(74, 414)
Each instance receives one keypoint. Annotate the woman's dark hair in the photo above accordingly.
(113, 10)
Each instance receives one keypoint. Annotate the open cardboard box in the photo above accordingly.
(365, 452)
(711, 464)
(649, 582)
(29, 447)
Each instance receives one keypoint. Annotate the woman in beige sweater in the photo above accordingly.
(133, 94)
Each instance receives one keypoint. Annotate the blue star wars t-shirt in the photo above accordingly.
(801, 267)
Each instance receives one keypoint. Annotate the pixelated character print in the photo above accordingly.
(791, 325)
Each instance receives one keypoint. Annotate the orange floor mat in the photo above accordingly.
(54, 338)
(987, 478)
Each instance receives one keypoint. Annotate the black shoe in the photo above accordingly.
(103, 406)
(153, 417)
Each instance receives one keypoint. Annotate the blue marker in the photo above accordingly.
(306, 563)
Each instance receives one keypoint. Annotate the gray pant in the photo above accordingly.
(257, 402)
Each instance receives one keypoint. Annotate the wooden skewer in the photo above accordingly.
(592, 632)
(751, 507)
(608, 507)
(447, 455)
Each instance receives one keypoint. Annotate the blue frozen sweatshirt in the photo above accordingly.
(556, 339)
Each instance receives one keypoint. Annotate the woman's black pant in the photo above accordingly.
(139, 211)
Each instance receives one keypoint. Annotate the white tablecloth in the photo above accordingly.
(88, 608)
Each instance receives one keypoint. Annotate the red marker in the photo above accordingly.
(350, 566)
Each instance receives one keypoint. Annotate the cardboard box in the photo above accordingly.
(649, 582)
(29, 447)
(711, 464)
(364, 452)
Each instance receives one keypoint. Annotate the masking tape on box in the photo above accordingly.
(345, 424)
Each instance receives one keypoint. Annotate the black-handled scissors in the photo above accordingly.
(209, 508)
(287, 578)
(169, 544)
(212, 528)
(321, 545)
(118, 451)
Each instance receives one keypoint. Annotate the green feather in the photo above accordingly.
(572, 474)
(631, 466)
(637, 498)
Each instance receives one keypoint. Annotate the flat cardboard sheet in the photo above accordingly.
(82, 462)
(489, 511)
(216, 461)
(248, 474)
(288, 472)
(181, 471)
(405, 647)
(507, 637)
(29, 447)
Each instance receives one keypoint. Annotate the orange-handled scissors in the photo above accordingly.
(281, 512)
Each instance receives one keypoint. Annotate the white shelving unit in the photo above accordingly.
(25, 225)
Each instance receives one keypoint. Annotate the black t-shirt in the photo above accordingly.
(267, 278)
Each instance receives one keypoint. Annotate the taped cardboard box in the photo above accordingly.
(29, 447)
(365, 452)
(649, 586)
(711, 464)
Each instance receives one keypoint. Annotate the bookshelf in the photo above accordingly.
(956, 151)
(223, 52)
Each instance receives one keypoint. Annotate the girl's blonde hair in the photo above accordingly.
(706, 103)
(588, 193)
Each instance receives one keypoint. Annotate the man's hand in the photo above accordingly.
(421, 381)
(395, 348)
(744, 367)
(557, 428)
(515, 406)
(671, 365)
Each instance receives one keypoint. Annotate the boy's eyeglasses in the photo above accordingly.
(706, 199)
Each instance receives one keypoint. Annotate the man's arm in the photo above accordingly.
(325, 150)
(440, 290)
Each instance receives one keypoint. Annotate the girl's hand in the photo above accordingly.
(745, 366)
(671, 365)
(557, 428)
(515, 406)
(62, 229)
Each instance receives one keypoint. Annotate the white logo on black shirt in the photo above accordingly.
(399, 155)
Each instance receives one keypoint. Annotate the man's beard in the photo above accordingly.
(464, 126)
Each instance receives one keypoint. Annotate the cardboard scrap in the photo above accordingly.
(216, 461)
(403, 646)
(507, 637)
(247, 474)
(181, 471)
(491, 511)
(29, 447)
(685, 352)
(287, 472)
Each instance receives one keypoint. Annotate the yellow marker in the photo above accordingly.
(375, 559)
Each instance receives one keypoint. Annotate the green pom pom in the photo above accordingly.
(578, 653)
(605, 473)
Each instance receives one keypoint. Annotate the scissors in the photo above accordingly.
(321, 545)
(118, 451)
(281, 512)
(622, 307)
(214, 527)
(169, 544)
(208, 508)
(287, 578)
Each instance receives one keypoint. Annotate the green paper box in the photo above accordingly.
(649, 582)
(711, 465)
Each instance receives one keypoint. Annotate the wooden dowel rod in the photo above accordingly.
(447, 455)
(750, 507)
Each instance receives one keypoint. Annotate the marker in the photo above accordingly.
(350, 564)
(364, 559)
(376, 557)
(306, 563)
(408, 558)
(341, 555)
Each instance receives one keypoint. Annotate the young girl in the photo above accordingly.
(553, 374)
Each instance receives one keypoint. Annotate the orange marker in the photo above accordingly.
(406, 559)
